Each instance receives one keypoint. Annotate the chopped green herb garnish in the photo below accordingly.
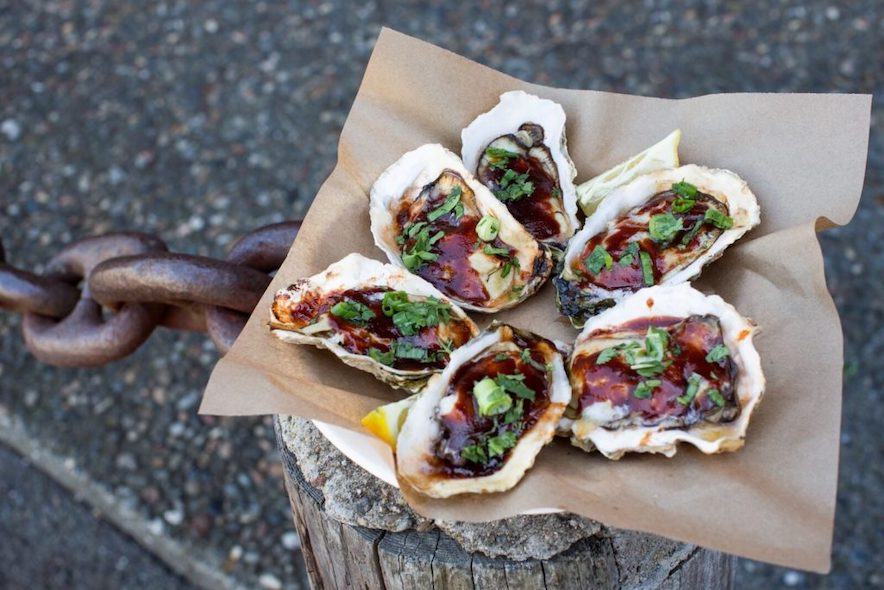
(491, 397)
(650, 361)
(474, 453)
(414, 228)
(515, 384)
(598, 259)
(664, 226)
(500, 153)
(644, 389)
(419, 253)
(501, 443)
(500, 157)
(656, 341)
(385, 358)
(647, 268)
(629, 254)
(717, 354)
(514, 186)
(680, 205)
(529, 360)
(501, 356)
(691, 392)
(689, 237)
(393, 301)
(510, 261)
(514, 414)
(353, 311)
(556, 192)
(509, 265)
(410, 317)
(715, 396)
(488, 228)
(452, 203)
(607, 354)
(407, 350)
(495, 251)
(685, 189)
(718, 219)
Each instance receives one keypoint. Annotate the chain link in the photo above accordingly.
(131, 284)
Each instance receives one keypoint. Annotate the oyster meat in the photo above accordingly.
(478, 426)
(375, 317)
(664, 365)
(519, 151)
(431, 217)
(661, 228)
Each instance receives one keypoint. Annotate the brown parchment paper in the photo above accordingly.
(803, 155)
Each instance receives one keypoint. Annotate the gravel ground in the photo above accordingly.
(43, 529)
(176, 117)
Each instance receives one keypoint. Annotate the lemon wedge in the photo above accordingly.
(659, 156)
(385, 421)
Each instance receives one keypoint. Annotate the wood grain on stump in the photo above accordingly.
(342, 554)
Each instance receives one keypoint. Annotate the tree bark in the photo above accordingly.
(340, 555)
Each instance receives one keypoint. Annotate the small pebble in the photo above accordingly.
(792, 578)
(11, 129)
(173, 517)
(270, 582)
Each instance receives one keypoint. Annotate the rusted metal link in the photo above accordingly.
(24, 292)
(263, 249)
(176, 279)
(86, 337)
(130, 285)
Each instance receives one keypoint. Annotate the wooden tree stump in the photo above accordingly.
(332, 499)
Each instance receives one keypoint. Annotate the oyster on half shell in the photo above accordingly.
(478, 426)
(375, 317)
(666, 364)
(661, 228)
(519, 151)
(430, 216)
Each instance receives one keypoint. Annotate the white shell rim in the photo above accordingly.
(514, 109)
(353, 271)
(741, 202)
(680, 301)
(421, 430)
(424, 165)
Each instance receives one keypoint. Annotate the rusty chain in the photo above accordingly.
(131, 284)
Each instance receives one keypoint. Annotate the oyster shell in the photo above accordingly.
(519, 151)
(478, 426)
(666, 364)
(430, 216)
(650, 232)
(375, 317)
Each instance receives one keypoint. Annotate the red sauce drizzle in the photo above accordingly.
(616, 382)
(378, 332)
(451, 272)
(464, 426)
(535, 211)
(617, 239)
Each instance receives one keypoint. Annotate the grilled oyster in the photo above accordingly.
(478, 426)
(519, 151)
(430, 216)
(661, 228)
(666, 364)
(375, 317)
